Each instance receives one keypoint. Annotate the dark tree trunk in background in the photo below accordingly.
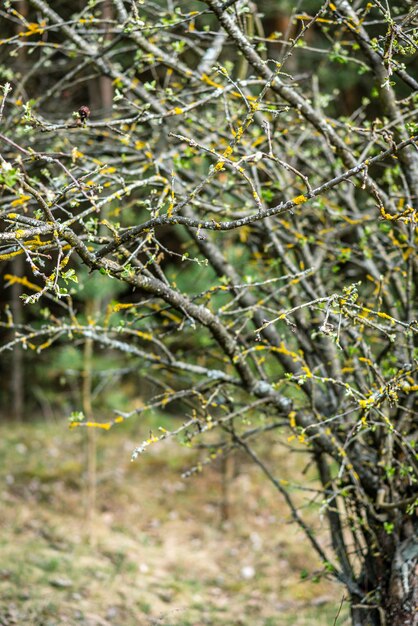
(18, 268)
(101, 94)
(16, 371)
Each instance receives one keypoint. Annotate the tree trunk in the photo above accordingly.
(17, 385)
(101, 91)
(364, 616)
(402, 608)
(399, 589)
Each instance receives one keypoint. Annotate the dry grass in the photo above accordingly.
(160, 554)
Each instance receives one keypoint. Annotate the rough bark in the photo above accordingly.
(402, 607)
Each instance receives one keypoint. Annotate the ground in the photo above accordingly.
(155, 552)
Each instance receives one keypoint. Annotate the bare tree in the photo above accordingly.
(265, 233)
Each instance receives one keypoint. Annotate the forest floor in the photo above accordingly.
(156, 551)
